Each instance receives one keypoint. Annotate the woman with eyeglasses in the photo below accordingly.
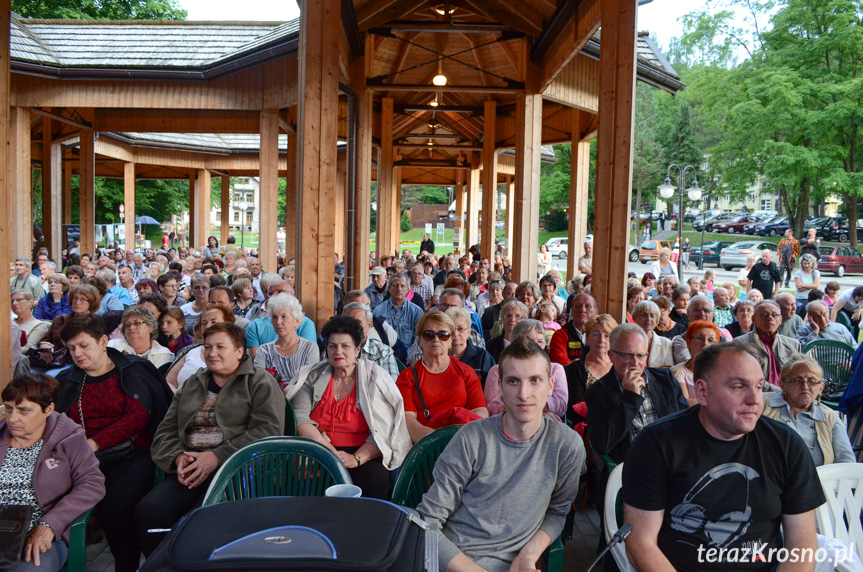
(462, 348)
(191, 359)
(352, 407)
(56, 303)
(169, 288)
(200, 290)
(447, 391)
(698, 336)
(140, 328)
(799, 406)
(743, 311)
(647, 314)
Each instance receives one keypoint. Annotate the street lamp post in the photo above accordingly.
(242, 205)
(666, 191)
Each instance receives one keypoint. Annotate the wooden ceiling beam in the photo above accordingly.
(564, 13)
(381, 12)
(517, 87)
(176, 120)
(566, 46)
(519, 9)
(493, 12)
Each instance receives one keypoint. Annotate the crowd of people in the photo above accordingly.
(174, 359)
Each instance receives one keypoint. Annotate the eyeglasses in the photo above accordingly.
(442, 335)
(767, 315)
(201, 288)
(462, 329)
(799, 381)
(137, 323)
(702, 339)
(629, 356)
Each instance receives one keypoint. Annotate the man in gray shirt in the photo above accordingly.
(820, 327)
(503, 486)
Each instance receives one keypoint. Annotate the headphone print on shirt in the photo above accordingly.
(691, 518)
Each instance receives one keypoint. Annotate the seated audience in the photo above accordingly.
(107, 301)
(516, 463)
(172, 325)
(634, 295)
(819, 327)
(169, 288)
(700, 308)
(771, 348)
(667, 328)
(34, 330)
(373, 350)
(463, 349)
(699, 335)
(743, 310)
(227, 404)
(284, 357)
(568, 344)
(188, 364)
(146, 287)
(193, 310)
(245, 294)
(581, 374)
(56, 303)
(140, 328)
(791, 322)
(646, 315)
(512, 312)
(85, 300)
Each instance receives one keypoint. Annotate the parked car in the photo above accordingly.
(837, 229)
(558, 247)
(634, 252)
(818, 223)
(708, 224)
(840, 260)
(650, 249)
(734, 255)
(765, 214)
(711, 252)
(775, 227)
(750, 227)
(733, 225)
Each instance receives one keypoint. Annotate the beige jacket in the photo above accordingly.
(784, 348)
(377, 397)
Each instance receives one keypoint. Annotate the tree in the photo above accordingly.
(646, 152)
(100, 9)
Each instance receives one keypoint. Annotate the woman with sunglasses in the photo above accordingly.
(447, 391)
(799, 406)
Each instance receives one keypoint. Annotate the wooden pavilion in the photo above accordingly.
(348, 94)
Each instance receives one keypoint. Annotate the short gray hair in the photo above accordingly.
(511, 304)
(626, 329)
(453, 292)
(526, 327)
(457, 313)
(269, 279)
(287, 302)
(751, 258)
(646, 306)
(700, 298)
(108, 276)
(354, 306)
(814, 303)
(740, 304)
(146, 315)
(50, 263)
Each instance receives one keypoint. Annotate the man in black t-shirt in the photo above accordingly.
(708, 488)
(765, 276)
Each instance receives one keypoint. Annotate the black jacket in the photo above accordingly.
(427, 245)
(495, 347)
(489, 317)
(139, 379)
(479, 359)
(610, 410)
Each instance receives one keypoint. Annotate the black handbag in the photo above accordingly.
(14, 525)
(58, 357)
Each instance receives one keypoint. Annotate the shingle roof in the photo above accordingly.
(202, 142)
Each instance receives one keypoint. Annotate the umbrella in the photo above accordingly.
(146, 220)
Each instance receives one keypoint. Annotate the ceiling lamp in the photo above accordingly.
(440, 79)
(434, 103)
(443, 11)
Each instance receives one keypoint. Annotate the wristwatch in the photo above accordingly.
(357, 457)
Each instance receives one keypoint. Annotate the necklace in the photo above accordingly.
(435, 372)
(345, 384)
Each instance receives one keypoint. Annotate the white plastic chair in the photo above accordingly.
(609, 518)
(839, 517)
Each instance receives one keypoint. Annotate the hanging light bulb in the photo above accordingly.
(440, 79)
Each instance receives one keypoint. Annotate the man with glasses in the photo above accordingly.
(771, 348)
(630, 396)
(700, 308)
(422, 285)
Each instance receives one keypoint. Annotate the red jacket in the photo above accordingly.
(567, 345)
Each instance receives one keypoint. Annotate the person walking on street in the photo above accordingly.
(789, 250)
(685, 252)
(662, 221)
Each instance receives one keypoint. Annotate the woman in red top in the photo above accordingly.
(446, 384)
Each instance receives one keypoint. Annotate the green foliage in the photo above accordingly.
(405, 223)
(100, 9)
(556, 221)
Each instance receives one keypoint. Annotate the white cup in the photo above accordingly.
(344, 491)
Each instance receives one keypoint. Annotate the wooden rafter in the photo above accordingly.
(374, 15)
(505, 17)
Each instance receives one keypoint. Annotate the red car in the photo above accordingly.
(839, 260)
(734, 225)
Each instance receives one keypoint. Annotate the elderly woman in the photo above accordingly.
(462, 348)
(511, 313)
(56, 303)
(284, 357)
(548, 293)
(634, 295)
(118, 400)
(200, 290)
(244, 296)
(107, 301)
(353, 407)
(492, 298)
(188, 363)
(140, 328)
(75, 275)
(34, 330)
(169, 288)
(85, 300)
(755, 296)
(646, 315)
(560, 395)
(172, 325)
(743, 274)
(583, 373)
(699, 335)
(528, 294)
(743, 312)
(45, 463)
(446, 391)
(806, 279)
(667, 328)
(663, 266)
(228, 403)
(799, 407)
(145, 287)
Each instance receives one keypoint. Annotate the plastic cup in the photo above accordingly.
(344, 491)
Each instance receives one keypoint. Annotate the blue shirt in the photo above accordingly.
(261, 332)
(403, 319)
(122, 294)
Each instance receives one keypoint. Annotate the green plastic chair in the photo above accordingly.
(400, 365)
(290, 420)
(277, 467)
(842, 318)
(834, 357)
(415, 478)
(77, 560)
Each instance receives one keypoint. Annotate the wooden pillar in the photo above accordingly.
(291, 199)
(52, 193)
(317, 133)
(129, 203)
(87, 191)
(202, 204)
(21, 172)
(579, 183)
(458, 227)
(67, 197)
(489, 180)
(340, 205)
(268, 203)
(386, 186)
(360, 70)
(193, 212)
(396, 211)
(225, 206)
(7, 222)
(510, 213)
(614, 156)
(528, 131)
(472, 214)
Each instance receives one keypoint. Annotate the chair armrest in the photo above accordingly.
(552, 558)
(77, 561)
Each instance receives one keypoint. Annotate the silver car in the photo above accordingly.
(735, 255)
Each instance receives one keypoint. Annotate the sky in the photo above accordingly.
(659, 17)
